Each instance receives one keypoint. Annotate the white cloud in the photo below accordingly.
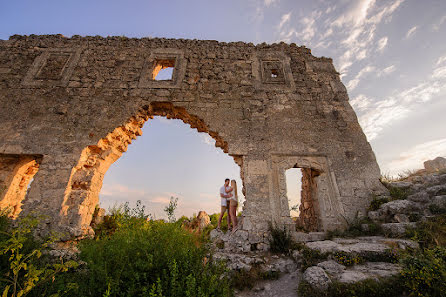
(381, 113)
(411, 32)
(382, 43)
(440, 72)
(356, 15)
(121, 191)
(269, 2)
(437, 26)
(415, 156)
(361, 102)
(352, 84)
(285, 18)
(160, 199)
(441, 60)
(207, 139)
(358, 25)
(387, 70)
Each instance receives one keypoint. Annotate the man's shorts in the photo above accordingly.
(224, 202)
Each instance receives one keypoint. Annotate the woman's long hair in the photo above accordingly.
(234, 186)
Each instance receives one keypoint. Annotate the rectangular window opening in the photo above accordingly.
(163, 69)
(274, 73)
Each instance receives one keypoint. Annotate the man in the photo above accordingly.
(224, 203)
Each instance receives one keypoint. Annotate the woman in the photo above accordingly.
(233, 203)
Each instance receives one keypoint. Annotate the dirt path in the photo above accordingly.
(285, 286)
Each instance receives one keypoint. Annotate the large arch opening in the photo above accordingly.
(82, 194)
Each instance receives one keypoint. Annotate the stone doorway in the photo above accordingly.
(304, 211)
(320, 209)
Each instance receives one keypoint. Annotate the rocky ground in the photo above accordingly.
(415, 198)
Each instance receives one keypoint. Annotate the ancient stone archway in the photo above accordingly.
(82, 194)
(272, 107)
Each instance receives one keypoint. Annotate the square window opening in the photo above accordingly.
(274, 73)
(163, 69)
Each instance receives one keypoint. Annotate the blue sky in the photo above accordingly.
(391, 56)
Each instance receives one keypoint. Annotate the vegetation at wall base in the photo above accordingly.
(132, 255)
(23, 267)
(280, 241)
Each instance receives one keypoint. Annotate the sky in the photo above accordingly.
(391, 56)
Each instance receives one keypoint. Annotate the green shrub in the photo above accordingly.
(311, 257)
(149, 258)
(391, 256)
(398, 193)
(430, 233)
(347, 259)
(377, 202)
(437, 210)
(121, 216)
(424, 273)
(22, 267)
(280, 241)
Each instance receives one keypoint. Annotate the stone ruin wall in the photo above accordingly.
(71, 106)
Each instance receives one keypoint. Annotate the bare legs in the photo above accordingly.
(233, 212)
(222, 213)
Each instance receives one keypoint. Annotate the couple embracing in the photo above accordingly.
(229, 202)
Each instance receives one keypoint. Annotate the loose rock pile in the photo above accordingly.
(424, 193)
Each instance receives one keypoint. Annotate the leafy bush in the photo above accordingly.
(347, 259)
(437, 210)
(311, 257)
(377, 202)
(148, 258)
(398, 193)
(22, 268)
(120, 216)
(280, 241)
(424, 273)
(430, 233)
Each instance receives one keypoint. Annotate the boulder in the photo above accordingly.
(399, 206)
(401, 218)
(439, 201)
(397, 229)
(436, 190)
(317, 278)
(422, 197)
(332, 267)
(436, 164)
(369, 270)
(98, 217)
(203, 220)
(401, 185)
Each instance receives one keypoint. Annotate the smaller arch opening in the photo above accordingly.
(16, 175)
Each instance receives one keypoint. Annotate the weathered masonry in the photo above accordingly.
(71, 106)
